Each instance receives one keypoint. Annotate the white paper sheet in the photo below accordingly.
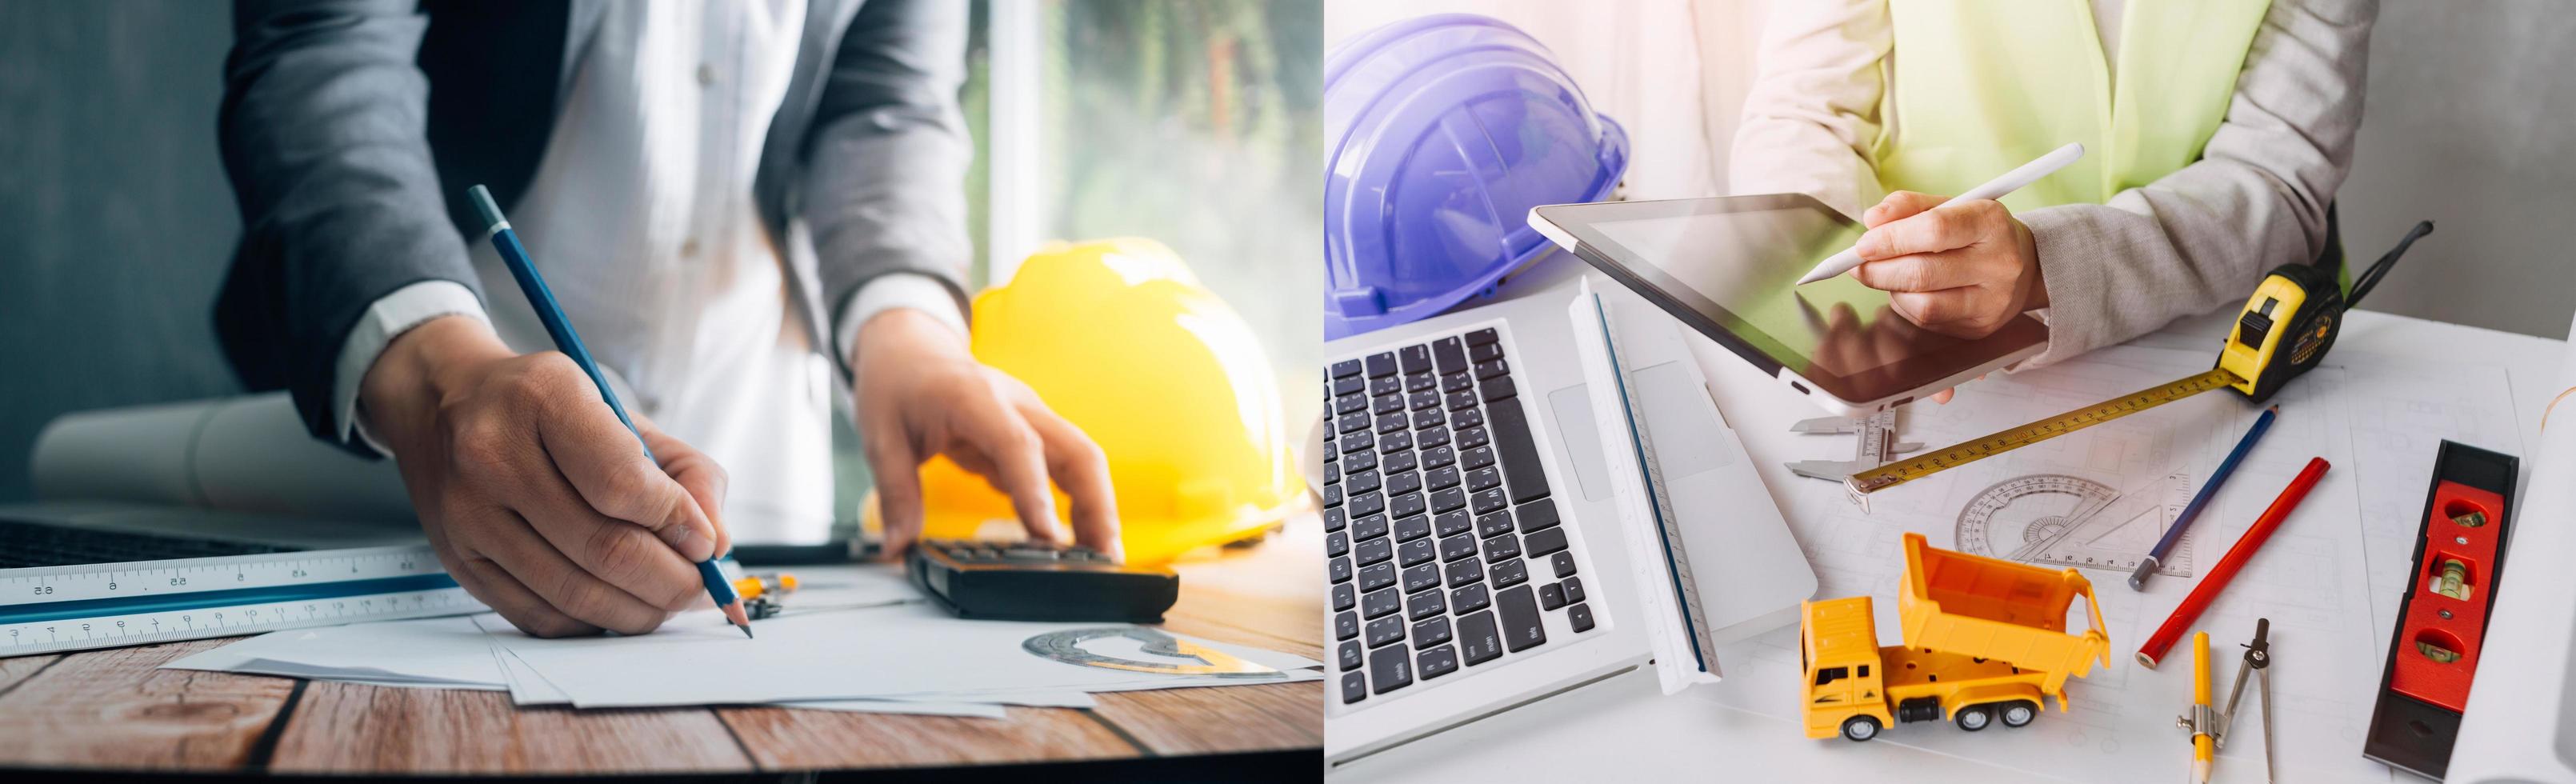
(451, 650)
(2311, 579)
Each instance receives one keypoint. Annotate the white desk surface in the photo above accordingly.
(1625, 728)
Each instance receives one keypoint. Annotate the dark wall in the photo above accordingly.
(115, 222)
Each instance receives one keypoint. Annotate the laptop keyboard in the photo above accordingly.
(1442, 546)
(25, 544)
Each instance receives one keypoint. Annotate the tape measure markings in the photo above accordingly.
(1972, 450)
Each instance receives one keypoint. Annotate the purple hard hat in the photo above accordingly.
(1444, 131)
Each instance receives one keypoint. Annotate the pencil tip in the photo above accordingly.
(746, 631)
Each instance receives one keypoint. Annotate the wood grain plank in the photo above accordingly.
(111, 708)
(796, 739)
(1218, 720)
(13, 670)
(352, 728)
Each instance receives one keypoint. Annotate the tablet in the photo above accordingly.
(1728, 267)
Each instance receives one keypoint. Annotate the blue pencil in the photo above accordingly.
(2156, 557)
(543, 302)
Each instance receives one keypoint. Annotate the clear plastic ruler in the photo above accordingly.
(65, 608)
(1685, 586)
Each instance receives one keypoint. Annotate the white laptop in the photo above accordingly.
(1508, 519)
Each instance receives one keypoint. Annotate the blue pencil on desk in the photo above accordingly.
(2156, 557)
(543, 302)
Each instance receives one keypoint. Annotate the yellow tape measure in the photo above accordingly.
(2283, 331)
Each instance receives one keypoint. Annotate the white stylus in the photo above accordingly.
(1996, 188)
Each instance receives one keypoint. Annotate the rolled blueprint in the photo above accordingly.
(2522, 702)
(243, 454)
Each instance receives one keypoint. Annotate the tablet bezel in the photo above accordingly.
(1872, 389)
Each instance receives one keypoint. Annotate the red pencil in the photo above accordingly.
(2236, 557)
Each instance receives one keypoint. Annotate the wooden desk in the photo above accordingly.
(111, 709)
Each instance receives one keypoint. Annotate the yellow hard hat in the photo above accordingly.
(1118, 337)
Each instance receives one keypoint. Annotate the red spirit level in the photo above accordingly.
(2442, 619)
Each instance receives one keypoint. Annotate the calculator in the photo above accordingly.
(1025, 581)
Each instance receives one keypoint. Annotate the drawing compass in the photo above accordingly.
(1877, 445)
(2258, 660)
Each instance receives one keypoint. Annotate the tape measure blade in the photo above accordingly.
(2012, 438)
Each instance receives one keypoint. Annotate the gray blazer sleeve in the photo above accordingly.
(887, 156)
(2202, 237)
(323, 135)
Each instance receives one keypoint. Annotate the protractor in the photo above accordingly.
(2061, 520)
(2016, 513)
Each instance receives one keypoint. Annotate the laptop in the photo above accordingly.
(1508, 519)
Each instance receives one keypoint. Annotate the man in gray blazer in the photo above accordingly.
(739, 203)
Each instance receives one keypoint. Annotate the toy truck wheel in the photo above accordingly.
(1860, 728)
(2019, 712)
(1975, 717)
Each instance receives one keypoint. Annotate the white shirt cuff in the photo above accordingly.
(390, 316)
(890, 291)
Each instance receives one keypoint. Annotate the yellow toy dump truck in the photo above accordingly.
(1984, 639)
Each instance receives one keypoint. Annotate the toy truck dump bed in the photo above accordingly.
(1990, 608)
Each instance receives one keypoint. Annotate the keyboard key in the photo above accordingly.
(1387, 385)
(1483, 336)
(1439, 456)
(1509, 573)
(1485, 352)
(1381, 602)
(1387, 630)
(1381, 364)
(1376, 577)
(1397, 441)
(1547, 542)
(1367, 504)
(1478, 640)
(1551, 596)
(1453, 548)
(1437, 478)
(1429, 417)
(1446, 500)
(1467, 418)
(1432, 437)
(1490, 369)
(1563, 563)
(1391, 423)
(1349, 386)
(1417, 401)
(1350, 445)
(1337, 543)
(1346, 626)
(1420, 382)
(1536, 516)
(1581, 616)
(1438, 662)
(1519, 610)
(1351, 422)
(1413, 359)
(1360, 460)
(1456, 400)
(1344, 597)
(1424, 604)
(1456, 382)
(1404, 482)
(1386, 404)
(1519, 454)
(1501, 548)
(1391, 669)
(1339, 569)
(1497, 390)
(1489, 502)
(1495, 524)
(1378, 549)
(1465, 571)
(1335, 519)
(1447, 356)
(1398, 462)
(1350, 656)
(1346, 404)
(1430, 632)
(1476, 458)
(1414, 552)
(1410, 528)
(1368, 527)
(1470, 598)
(1354, 687)
(1347, 367)
(1450, 523)
(1484, 478)
(1573, 589)
(1361, 482)
(1420, 577)
(1469, 438)
(1332, 467)
(1406, 504)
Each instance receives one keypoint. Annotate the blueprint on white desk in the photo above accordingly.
(2312, 579)
(2402, 410)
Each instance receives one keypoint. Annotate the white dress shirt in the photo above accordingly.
(641, 217)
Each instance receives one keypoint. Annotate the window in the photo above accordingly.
(1831, 674)
(1864, 671)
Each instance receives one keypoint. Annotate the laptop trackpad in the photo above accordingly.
(1680, 419)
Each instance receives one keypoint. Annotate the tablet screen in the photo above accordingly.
(1733, 263)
